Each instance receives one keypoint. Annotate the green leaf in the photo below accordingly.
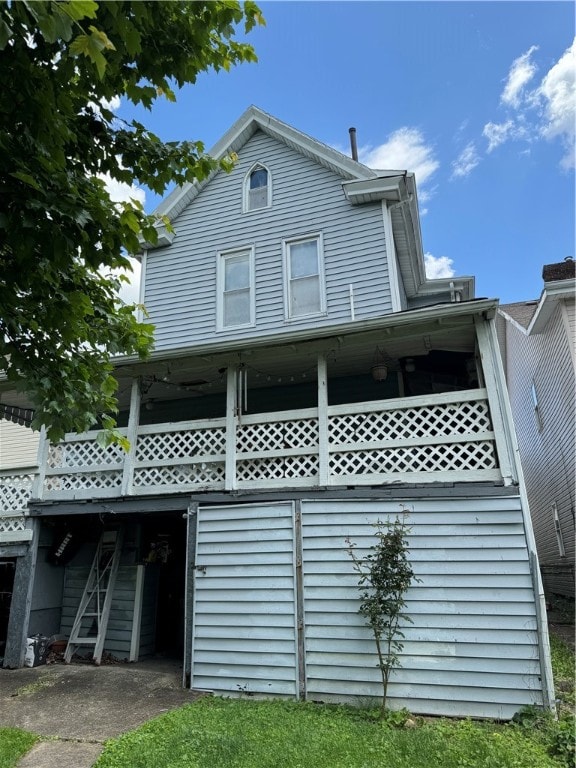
(80, 9)
(5, 34)
(27, 179)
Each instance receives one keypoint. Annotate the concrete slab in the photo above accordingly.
(81, 705)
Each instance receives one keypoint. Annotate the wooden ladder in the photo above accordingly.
(96, 599)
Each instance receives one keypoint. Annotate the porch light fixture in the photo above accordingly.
(379, 369)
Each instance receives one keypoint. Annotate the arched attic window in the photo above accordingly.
(257, 188)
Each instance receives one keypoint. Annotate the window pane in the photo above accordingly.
(304, 259)
(258, 178)
(237, 308)
(305, 296)
(258, 198)
(236, 272)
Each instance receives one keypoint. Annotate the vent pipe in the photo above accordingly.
(353, 146)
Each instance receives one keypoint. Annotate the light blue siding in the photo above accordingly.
(306, 199)
(244, 627)
(472, 649)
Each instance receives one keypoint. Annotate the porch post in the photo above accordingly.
(496, 400)
(133, 422)
(230, 471)
(37, 491)
(323, 446)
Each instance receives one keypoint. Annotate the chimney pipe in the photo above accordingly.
(353, 146)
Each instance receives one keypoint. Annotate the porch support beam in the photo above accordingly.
(497, 399)
(231, 421)
(323, 445)
(42, 461)
(21, 602)
(133, 422)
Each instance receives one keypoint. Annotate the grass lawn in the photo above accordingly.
(13, 745)
(232, 733)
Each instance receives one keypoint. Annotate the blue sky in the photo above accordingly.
(476, 97)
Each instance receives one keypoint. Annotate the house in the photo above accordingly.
(537, 342)
(307, 381)
(18, 467)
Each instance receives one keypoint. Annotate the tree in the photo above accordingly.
(385, 576)
(61, 237)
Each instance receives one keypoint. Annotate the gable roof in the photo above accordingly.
(244, 128)
(360, 185)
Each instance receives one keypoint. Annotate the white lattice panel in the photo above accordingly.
(15, 492)
(12, 524)
(181, 474)
(431, 458)
(180, 445)
(83, 481)
(83, 453)
(277, 468)
(465, 418)
(276, 436)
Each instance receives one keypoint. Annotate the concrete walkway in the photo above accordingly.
(77, 707)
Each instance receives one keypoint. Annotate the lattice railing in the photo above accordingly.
(433, 434)
(15, 491)
(81, 464)
(186, 454)
(445, 437)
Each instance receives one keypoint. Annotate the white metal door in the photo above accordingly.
(244, 628)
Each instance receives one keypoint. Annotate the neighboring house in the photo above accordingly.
(307, 381)
(18, 467)
(537, 341)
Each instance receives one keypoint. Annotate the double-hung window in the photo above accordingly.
(304, 277)
(236, 288)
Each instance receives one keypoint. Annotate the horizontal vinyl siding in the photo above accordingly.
(472, 649)
(306, 199)
(244, 636)
(18, 446)
(547, 455)
(119, 631)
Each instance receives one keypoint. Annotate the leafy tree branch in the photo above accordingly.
(61, 237)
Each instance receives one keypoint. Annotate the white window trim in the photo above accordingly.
(221, 257)
(286, 243)
(246, 189)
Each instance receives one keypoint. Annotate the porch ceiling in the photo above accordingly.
(347, 355)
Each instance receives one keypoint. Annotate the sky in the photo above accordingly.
(477, 98)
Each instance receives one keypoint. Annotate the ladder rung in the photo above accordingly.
(83, 640)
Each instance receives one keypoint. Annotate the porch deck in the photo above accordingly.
(446, 437)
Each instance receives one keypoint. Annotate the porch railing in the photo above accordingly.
(435, 438)
(15, 491)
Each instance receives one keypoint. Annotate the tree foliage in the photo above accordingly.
(61, 237)
(385, 576)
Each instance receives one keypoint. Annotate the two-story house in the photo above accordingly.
(537, 341)
(307, 381)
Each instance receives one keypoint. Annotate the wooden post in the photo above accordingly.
(497, 398)
(230, 472)
(133, 422)
(323, 444)
(37, 491)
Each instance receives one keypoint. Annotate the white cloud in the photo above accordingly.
(404, 150)
(546, 111)
(558, 93)
(121, 192)
(438, 266)
(521, 72)
(113, 104)
(497, 133)
(130, 292)
(466, 161)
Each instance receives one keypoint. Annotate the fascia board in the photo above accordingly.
(553, 292)
(360, 191)
(436, 313)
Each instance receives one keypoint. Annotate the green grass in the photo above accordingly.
(13, 745)
(563, 671)
(232, 733)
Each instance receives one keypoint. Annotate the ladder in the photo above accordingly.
(94, 609)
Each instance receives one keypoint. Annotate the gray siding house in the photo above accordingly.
(308, 380)
(538, 348)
